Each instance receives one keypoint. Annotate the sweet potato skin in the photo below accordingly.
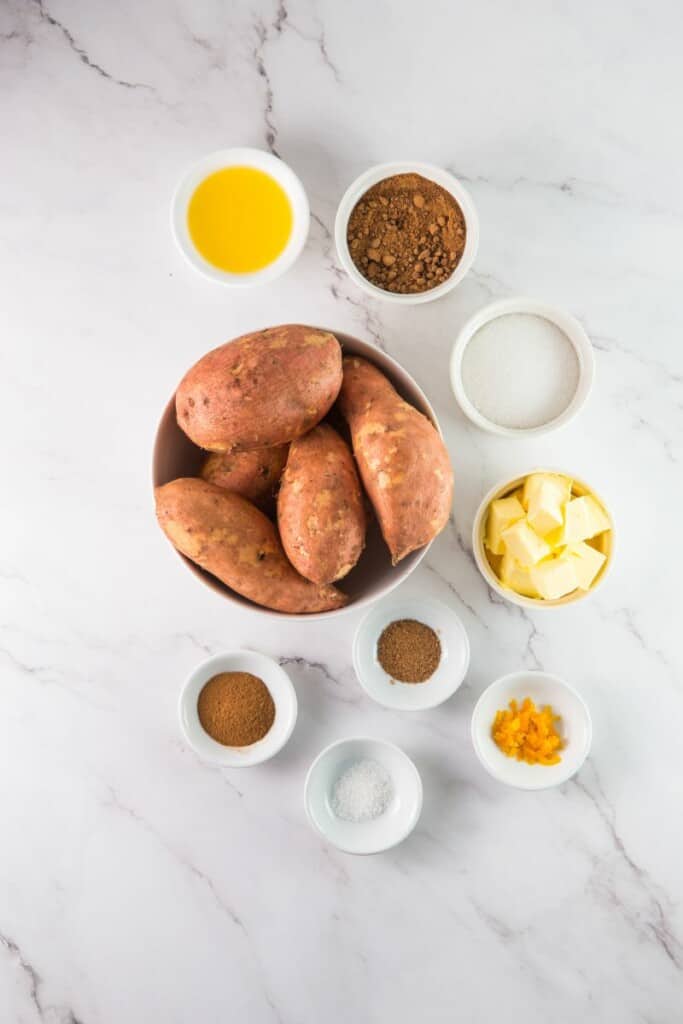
(229, 537)
(262, 389)
(402, 460)
(254, 474)
(320, 509)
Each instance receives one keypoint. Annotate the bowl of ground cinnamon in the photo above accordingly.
(407, 232)
(411, 653)
(238, 708)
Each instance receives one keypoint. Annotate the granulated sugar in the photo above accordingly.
(520, 370)
(362, 792)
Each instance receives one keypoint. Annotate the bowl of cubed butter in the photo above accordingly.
(543, 539)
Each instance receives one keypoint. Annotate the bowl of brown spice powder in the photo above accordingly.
(406, 232)
(411, 653)
(238, 708)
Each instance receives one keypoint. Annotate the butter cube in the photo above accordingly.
(524, 544)
(554, 577)
(502, 513)
(583, 519)
(587, 563)
(546, 506)
(516, 577)
(558, 489)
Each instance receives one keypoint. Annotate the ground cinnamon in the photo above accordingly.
(409, 651)
(406, 234)
(236, 708)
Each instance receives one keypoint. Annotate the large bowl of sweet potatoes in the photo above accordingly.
(299, 471)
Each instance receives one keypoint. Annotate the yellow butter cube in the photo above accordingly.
(554, 577)
(524, 544)
(516, 577)
(583, 518)
(587, 563)
(546, 508)
(502, 513)
(558, 489)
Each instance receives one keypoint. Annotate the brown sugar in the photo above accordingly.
(406, 234)
(409, 651)
(236, 708)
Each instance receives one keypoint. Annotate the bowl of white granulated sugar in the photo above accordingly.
(363, 795)
(520, 367)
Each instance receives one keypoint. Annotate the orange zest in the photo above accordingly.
(528, 733)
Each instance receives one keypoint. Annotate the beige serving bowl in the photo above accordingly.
(604, 543)
(374, 576)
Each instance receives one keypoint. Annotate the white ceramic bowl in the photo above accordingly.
(566, 323)
(392, 827)
(455, 654)
(281, 690)
(378, 173)
(543, 688)
(263, 161)
(500, 490)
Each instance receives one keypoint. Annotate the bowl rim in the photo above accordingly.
(397, 603)
(487, 572)
(439, 176)
(567, 323)
(368, 351)
(555, 680)
(205, 746)
(415, 817)
(261, 160)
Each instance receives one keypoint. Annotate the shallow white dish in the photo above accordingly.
(263, 161)
(455, 654)
(566, 323)
(504, 487)
(543, 688)
(378, 173)
(281, 690)
(363, 837)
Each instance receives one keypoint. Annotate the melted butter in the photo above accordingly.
(240, 219)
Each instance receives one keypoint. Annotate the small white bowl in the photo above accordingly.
(566, 323)
(371, 177)
(543, 688)
(455, 654)
(262, 161)
(362, 837)
(500, 490)
(281, 690)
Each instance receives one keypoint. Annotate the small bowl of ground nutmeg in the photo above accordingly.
(411, 653)
(238, 708)
(406, 232)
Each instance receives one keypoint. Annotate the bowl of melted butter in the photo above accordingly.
(240, 217)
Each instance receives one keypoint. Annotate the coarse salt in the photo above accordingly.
(520, 370)
(362, 792)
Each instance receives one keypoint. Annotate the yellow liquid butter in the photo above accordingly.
(240, 219)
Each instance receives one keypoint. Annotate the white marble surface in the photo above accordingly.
(140, 885)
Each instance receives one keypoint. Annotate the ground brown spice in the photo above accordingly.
(409, 651)
(406, 234)
(236, 708)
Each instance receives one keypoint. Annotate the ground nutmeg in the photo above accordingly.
(236, 708)
(406, 234)
(409, 651)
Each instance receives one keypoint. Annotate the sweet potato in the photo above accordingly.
(320, 509)
(230, 538)
(260, 390)
(255, 474)
(403, 462)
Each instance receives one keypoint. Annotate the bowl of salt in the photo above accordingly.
(520, 367)
(363, 795)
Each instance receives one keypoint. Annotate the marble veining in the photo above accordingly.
(139, 883)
